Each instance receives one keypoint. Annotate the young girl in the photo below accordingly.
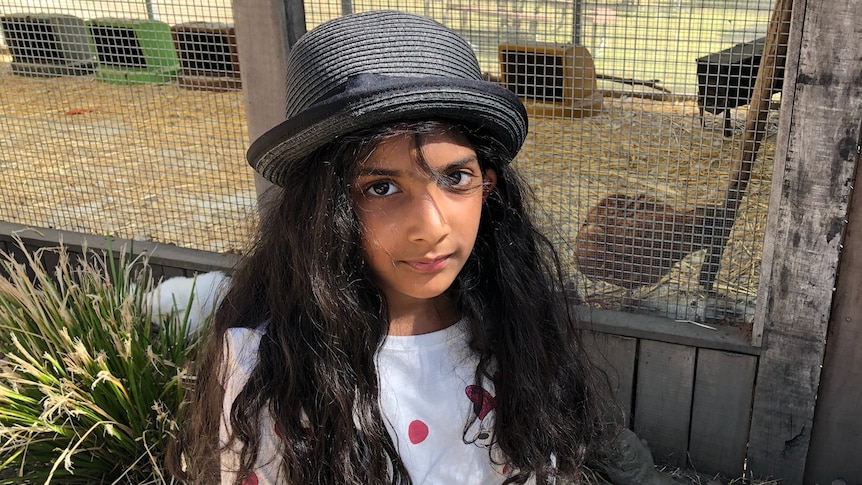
(400, 318)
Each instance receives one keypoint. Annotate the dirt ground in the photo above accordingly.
(154, 162)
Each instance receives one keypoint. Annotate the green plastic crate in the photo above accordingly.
(133, 51)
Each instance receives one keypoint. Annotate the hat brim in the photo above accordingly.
(482, 105)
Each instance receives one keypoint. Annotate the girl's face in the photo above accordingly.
(419, 207)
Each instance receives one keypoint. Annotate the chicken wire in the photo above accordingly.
(637, 114)
(125, 117)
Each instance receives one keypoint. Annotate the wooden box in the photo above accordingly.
(551, 79)
(208, 55)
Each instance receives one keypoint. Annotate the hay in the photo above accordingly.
(146, 162)
(657, 148)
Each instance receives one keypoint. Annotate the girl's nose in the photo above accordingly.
(429, 220)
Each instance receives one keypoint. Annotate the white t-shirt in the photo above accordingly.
(427, 398)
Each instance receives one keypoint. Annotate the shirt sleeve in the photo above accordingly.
(240, 358)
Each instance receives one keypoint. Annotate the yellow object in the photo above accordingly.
(556, 80)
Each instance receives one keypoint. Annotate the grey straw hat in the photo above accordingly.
(378, 67)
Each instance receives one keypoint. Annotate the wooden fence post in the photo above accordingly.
(814, 167)
(265, 30)
(836, 437)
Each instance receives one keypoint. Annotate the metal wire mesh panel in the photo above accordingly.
(124, 117)
(637, 124)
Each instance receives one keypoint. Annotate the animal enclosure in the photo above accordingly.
(629, 176)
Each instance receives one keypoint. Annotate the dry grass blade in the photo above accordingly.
(88, 392)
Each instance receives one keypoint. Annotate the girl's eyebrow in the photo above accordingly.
(374, 171)
(386, 172)
(459, 163)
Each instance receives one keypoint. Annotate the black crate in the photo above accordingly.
(725, 79)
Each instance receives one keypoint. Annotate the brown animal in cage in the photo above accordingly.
(634, 240)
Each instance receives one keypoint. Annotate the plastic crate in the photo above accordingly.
(133, 51)
(48, 45)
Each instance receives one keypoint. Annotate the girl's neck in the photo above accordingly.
(420, 317)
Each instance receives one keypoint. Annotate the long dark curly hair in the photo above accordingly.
(306, 280)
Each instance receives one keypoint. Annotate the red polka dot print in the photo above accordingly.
(417, 431)
(250, 480)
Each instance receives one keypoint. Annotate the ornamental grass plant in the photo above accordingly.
(90, 389)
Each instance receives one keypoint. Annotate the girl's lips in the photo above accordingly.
(429, 265)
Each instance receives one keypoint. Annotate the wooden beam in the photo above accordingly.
(836, 437)
(813, 177)
(265, 30)
(193, 260)
(719, 337)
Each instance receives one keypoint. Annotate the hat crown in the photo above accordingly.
(377, 68)
(386, 43)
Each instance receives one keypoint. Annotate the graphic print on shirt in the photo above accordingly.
(417, 431)
(484, 404)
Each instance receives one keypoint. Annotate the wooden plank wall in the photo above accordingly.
(815, 159)
(686, 391)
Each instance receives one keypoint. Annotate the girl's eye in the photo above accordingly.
(381, 189)
(459, 178)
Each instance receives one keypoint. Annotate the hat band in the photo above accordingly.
(367, 82)
(437, 96)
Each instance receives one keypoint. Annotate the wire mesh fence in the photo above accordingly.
(638, 114)
(638, 111)
(125, 117)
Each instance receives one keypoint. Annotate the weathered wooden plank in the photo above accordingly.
(23, 256)
(74, 258)
(166, 271)
(722, 337)
(814, 165)
(50, 259)
(721, 412)
(665, 377)
(836, 437)
(264, 31)
(615, 356)
(189, 259)
(6, 248)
